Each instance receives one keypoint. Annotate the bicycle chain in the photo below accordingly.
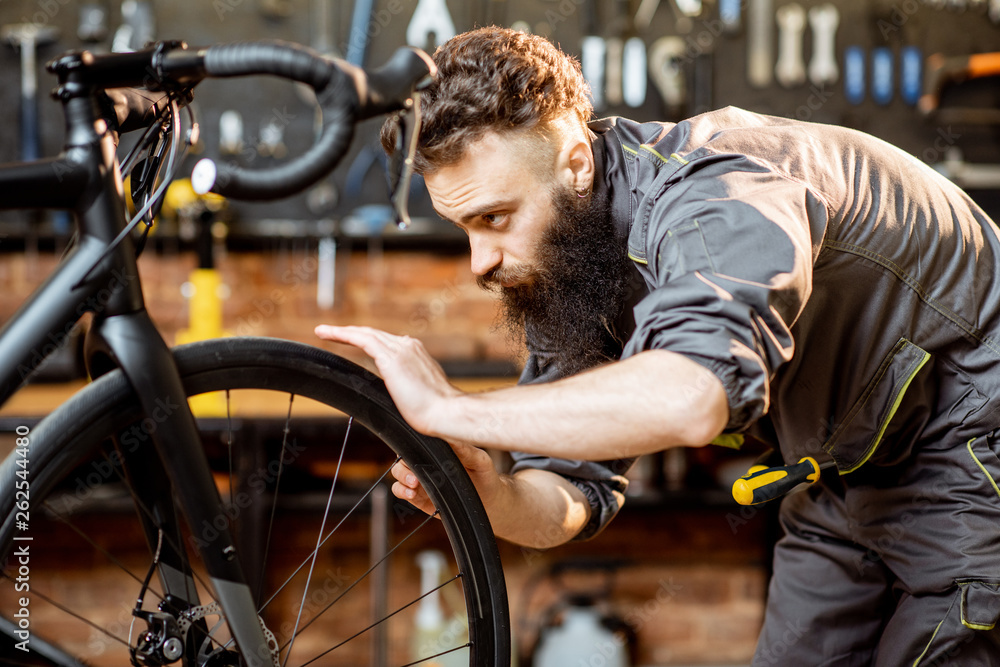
(194, 614)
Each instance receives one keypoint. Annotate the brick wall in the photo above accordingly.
(433, 297)
(693, 585)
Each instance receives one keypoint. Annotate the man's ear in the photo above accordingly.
(575, 164)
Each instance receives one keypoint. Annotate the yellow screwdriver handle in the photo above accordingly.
(762, 484)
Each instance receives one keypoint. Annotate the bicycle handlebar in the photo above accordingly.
(346, 94)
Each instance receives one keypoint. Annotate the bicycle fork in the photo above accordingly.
(133, 343)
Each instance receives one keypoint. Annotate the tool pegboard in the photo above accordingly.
(860, 64)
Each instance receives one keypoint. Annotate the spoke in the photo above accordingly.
(98, 547)
(319, 540)
(328, 536)
(65, 610)
(386, 618)
(369, 571)
(274, 498)
(229, 447)
(438, 655)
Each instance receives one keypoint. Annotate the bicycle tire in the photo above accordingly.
(69, 435)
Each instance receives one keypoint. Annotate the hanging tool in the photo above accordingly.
(271, 142)
(138, 27)
(230, 132)
(730, 16)
(430, 26)
(854, 74)
(760, 47)
(320, 20)
(762, 483)
(592, 62)
(942, 72)
(28, 37)
(823, 67)
(666, 67)
(593, 52)
(357, 42)
(625, 79)
(93, 24)
(911, 82)
(634, 72)
(791, 69)
(882, 75)
(689, 8)
(326, 273)
(644, 15)
(702, 98)
(614, 49)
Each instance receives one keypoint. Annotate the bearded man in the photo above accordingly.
(732, 273)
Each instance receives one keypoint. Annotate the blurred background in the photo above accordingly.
(680, 577)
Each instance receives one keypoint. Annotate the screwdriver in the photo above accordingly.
(763, 483)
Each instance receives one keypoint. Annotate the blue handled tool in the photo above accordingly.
(854, 74)
(911, 73)
(882, 78)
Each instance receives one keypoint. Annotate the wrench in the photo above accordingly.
(614, 50)
(790, 70)
(760, 50)
(27, 37)
(592, 54)
(823, 66)
(666, 68)
(634, 72)
(431, 17)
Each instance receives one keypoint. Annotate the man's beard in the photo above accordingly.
(576, 292)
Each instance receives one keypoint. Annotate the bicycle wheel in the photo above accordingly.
(349, 593)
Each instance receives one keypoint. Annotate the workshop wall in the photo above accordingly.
(696, 63)
(694, 595)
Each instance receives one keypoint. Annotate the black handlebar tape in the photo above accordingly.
(346, 95)
(336, 90)
(283, 59)
(762, 484)
(389, 87)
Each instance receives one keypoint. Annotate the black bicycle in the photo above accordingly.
(200, 559)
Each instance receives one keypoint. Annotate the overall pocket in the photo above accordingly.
(980, 603)
(854, 442)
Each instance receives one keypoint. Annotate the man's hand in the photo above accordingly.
(534, 508)
(651, 401)
(477, 463)
(414, 379)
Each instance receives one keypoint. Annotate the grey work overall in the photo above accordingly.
(848, 298)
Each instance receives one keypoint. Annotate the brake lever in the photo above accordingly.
(148, 168)
(402, 160)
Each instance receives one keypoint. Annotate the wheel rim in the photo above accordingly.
(339, 576)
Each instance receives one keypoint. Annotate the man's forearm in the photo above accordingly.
(539, 509)
(646, 403)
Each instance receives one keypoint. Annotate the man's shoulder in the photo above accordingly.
(635, 133)
(628, 131)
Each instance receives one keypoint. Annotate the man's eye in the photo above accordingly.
(492, 218)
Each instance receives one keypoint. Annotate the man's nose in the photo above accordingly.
(485, 255)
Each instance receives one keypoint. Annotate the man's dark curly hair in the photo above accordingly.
(494, 79)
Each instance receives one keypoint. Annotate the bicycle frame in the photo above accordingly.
(86, 180)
